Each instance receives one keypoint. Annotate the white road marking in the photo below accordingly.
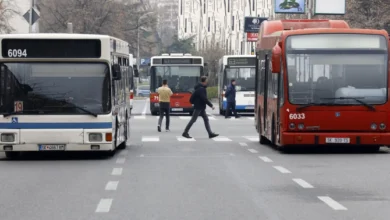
(303, 183)
(139, 117)
(265, 159)
(121, 160)
(212, 118)
(221, 139)
(117, 171)
(104, 205)
(112, 185)
(231, 154)
(185, 117)
(282, 169)
(141, 155)
(185, 139)
(145, 107)
(251, 118)
(243, 144)
(253, 151)
(332, 203)
(252, 138)
(150, 139)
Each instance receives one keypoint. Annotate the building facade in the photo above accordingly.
(220, 22)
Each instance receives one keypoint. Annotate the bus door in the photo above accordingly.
(264, 73)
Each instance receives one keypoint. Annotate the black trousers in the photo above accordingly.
(195, 115)
(232, 106)
(164, 108)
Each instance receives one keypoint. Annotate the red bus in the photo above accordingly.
(322, 86)
(183, 72)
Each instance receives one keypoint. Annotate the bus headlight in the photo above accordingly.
(95, 137)
(373, 126)
(301, 126)
(7, 137)
(382, 126)
(292, 126)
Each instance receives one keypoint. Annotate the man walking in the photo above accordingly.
(199, 100)
(230, 95)
(164, 97)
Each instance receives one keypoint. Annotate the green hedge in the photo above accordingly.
(212, 92)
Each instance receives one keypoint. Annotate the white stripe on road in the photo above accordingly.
(145, 107)
(117, 171)
(303, 183)
(185, 139)
(121, 160)
(265, 159)
(150, 139)
(282, 169)
(112, 185)
(185, 117)
(212, 118)
(251, 118)
(332, 203)
(243, 144)
(252, 138)
(221, 139)
(104, 205)
(253, 151)
(139, 117)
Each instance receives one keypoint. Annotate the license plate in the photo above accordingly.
(249, 107)
(51, 147)
(337, 140)
(177, 109)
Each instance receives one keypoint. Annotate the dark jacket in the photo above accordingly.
(199, 97)
(230, 93)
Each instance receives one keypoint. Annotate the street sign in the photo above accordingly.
(252, 24)
(35, 16)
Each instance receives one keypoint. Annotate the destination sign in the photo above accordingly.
(178, 61)
(51, 48)
(242, 61)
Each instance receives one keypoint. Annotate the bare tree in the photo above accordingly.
(211, 54)
(368, 14)
(7, 10)
(111, 17)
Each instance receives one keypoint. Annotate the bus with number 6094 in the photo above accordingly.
(63, 92)
(183, 72)
(322, 86)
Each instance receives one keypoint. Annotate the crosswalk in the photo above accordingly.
(211, 117)
(182, 139)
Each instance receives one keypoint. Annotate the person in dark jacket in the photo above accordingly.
(230, 95)
(199, 100)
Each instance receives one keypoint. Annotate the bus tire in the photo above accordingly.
(154, 112)
(110, 153)
(12, 154)
(262, 139)
(273, 134)
(123, 144)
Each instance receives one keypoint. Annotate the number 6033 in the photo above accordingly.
(294, 116)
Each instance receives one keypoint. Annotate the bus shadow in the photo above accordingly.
(332, 150)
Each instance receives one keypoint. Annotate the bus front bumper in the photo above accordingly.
(344, 138)
(68, 147)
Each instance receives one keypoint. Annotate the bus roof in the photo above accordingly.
(56, 36)
(235, 56)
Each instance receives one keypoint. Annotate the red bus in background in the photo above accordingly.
(322, 86)
(183, 72)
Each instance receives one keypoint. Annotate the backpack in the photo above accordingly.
(192, 98)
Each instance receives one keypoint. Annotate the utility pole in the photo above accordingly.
(309, 8)
(31, 16)
(70, 28)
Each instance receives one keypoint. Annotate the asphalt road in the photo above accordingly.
(162, 176)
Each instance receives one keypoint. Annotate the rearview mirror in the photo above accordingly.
(275, 59)
(116, 72)
(136, 73)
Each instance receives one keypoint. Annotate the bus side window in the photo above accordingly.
(281, 85)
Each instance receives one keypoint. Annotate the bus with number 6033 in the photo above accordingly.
(321, 83)
(183, 72)
(63, 92)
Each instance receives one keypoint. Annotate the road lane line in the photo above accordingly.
(303, 183)
(150, 139)
(145, 107)
(121, 160)
(332, 203)
(253, 151)
(185, 139)
(252, 138)
(221, 139)
(140, 117)
(117, 171)
(112, 185)
(243, 144)
(265, 159)
(104, 205)
(282, 169)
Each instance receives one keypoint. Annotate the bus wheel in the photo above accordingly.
(262, 139)
(110, 153)
(154, 112)
(123, 144)
(273, 134)
(12, 154)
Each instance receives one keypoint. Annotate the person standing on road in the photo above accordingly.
(164, 97)
(199, 100)
(230, 95)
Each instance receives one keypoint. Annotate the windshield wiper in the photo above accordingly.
(372, 108)
(21, 112)
(76, 107)
(313, 104)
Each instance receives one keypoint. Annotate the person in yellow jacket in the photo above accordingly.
(164, 97)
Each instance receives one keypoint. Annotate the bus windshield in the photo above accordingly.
(55, 88)
(337, 78)
(245, 78)
(180, 78)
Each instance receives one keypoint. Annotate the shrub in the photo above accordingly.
(212, 92)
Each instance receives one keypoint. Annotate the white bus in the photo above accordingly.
(242, 68)
(132, 74)
(63, 92)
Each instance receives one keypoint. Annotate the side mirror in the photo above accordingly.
(116, 72)
(136, 73)
(275, 59)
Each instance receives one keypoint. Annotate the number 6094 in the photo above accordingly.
(17, 53)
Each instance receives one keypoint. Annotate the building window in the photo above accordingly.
(204, 5)
(208, 24)
(232, 23)
(228, 8)
(181, 7)
(253, 5)
(185, 25)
